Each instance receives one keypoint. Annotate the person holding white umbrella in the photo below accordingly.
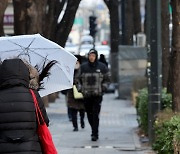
(18, 129)
(38, 51)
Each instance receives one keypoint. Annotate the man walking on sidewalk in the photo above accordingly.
(94, 79)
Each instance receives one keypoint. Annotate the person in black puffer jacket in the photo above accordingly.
(94, 78)
(18, 123)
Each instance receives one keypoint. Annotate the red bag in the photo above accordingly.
(43, 131)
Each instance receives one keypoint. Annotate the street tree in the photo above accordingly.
(41, 16)
(64, 27)
(29, 16)
(3, 6)
(136, 16)
(20, 14)
(55, 8)
(165, 42)
(114, 35)
(131, 23)
(175, 57)
(114, 24)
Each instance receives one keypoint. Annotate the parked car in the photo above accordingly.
(72, 48)
(86, 39)
(84, 49)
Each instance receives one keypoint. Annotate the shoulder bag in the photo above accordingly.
(76, 93)
(43, 132)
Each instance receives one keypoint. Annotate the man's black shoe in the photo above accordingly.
(75, 129)
(82, 125)
(94, 138)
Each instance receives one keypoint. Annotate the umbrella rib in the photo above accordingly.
(23, 48)
(31, 43)
(12, 50)
(17, 45)
(45, 58)
(32, 48)
(26, 50)
(35, 51)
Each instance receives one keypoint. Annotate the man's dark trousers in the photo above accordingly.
(93, 107)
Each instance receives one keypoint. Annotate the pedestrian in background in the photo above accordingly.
(103, 59)
(69, 111)
(18, 129)
(94, 79)
(76, 105)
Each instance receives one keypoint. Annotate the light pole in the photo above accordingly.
(123, 22)
(155, 48)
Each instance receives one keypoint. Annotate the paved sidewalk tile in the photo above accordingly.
(117, 131)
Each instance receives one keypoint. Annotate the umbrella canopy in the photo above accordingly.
(36, 49)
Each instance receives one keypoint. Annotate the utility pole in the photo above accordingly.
(155, 61)
(123, 22)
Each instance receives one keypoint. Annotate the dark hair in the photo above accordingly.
(79, 58)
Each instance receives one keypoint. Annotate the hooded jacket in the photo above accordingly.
(95, 67)
(18, 125)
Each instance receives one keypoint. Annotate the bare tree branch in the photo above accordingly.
(54, 9)
(64, 27)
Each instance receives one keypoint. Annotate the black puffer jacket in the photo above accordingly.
(95, 67)
(18, 123)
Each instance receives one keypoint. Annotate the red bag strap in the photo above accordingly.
(37, 107)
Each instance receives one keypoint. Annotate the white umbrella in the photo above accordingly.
(36, 49)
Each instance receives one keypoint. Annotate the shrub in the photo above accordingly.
(142, 106)
(166, 99)
(166, 127)
(176, 141)
(142, 109)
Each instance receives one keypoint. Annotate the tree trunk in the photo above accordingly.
(128, 23)
(29, 16)
(41, 16)
(114, 36)
(54, 9)
(114, 24)
(165, 43)
(64, 27)
(35, 16)
(176, 55)
(19, 17)
(136, 16)
(131, 23)
(3, 6)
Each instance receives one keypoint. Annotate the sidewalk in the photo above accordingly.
(117, 131)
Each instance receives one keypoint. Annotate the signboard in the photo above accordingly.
(8, 19)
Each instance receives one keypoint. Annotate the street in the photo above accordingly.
(117, 132)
